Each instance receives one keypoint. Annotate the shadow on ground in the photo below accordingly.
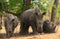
(3, 35)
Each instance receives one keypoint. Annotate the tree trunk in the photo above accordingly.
(0, 21)
(54, 10)
(26, 4)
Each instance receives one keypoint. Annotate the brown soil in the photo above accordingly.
(39, 36)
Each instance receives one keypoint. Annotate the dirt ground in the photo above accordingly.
(39, 36)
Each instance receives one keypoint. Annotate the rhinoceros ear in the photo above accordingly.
(44, 13)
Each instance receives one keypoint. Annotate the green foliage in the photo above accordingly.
(58, 12)
(41, 4)
(17, 5)
(42, 7)
(2, 1)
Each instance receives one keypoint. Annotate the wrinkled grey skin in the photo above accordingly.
(33, 18)
(48, 27)
(11, 23)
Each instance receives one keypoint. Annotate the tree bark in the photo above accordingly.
(54, 10)
(26, 4)
(0, 21)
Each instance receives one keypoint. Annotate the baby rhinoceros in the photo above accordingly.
(10, 23)
(34, 18)
(48, 27)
